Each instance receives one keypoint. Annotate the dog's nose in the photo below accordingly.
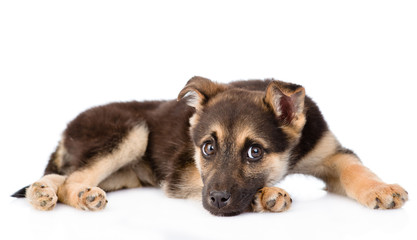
(219, 199)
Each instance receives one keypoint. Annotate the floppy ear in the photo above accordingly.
(286, 99)
(199, 90)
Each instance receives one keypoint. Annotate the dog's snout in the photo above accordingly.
(219, 199)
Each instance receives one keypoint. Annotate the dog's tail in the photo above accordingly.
(21, 193)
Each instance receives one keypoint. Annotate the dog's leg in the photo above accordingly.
(271, 199)
(80, 188)
(347, 175)
(125, 177)
(343, 173)
(43, 193)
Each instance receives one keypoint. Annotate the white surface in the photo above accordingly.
(357, 59)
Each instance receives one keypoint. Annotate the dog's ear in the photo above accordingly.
(199, 90)
(286, 99)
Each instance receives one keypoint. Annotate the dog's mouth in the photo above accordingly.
(226, 214)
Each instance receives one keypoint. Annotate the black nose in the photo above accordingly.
(219, 199)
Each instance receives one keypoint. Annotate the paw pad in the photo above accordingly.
(41, 196)
(92, 199)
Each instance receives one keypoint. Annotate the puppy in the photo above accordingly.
(226, 144)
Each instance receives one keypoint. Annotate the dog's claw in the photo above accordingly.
(385, 196)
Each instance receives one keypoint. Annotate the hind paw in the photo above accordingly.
(41, 196)
(271, 199)
(92, 199)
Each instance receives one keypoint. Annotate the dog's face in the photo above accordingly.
(242, 140)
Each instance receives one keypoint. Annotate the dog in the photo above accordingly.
(225, 144)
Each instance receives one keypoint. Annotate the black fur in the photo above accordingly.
(312, 132)
(21, 193)
(315, 125)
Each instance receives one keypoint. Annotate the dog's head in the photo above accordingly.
(242, 133)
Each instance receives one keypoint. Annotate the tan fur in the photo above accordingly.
(43, 193)
(80, 186)
(276, 165)
(294, 129)
(194, 120)
(197, 158)
(244, 132)
(132, 148)
(124, 178)
(194, 99)
(191, 185)
(82, 197)
(144, 173)
(312, 163)
(220, 131)
(359, 183)
(344, 174)
(271, 199)
(61, 151)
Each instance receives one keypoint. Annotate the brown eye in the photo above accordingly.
(255, 153)
(208, 149)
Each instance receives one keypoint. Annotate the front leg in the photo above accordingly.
(346, 174)
(271, 199)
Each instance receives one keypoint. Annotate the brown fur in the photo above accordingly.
(226, 144)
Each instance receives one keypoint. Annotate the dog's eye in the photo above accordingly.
(255, 152)
(208, 149)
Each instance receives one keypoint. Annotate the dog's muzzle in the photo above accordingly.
(225, 203)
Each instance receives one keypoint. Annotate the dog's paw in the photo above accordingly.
(384, 196)
(92, 199)
(271, 199)
(41, 196)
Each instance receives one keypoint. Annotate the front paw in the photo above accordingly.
(271, 199)
(384, 196)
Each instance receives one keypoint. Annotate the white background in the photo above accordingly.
(357, 59)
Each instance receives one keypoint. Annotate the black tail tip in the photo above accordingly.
(21, 193)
